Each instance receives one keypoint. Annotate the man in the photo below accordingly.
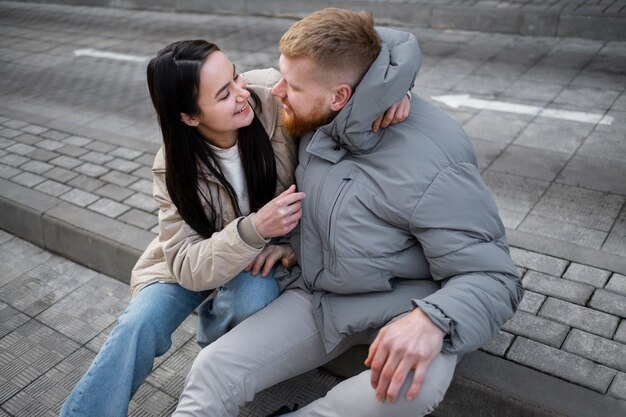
(400, 244)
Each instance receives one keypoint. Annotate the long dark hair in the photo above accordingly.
(173, 81)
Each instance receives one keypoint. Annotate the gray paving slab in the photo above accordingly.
(561, 364)
(588, 319)
(557, 287)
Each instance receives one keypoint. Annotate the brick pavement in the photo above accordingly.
(75, 181)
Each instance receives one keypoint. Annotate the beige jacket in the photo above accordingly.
(178, 253)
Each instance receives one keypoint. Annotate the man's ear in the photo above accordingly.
(189, 120)
(341, 95)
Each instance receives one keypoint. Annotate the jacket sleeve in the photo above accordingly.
(198, 263)
(457, 223)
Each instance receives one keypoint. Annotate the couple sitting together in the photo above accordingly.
(392, 238)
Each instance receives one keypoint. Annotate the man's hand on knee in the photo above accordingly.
(409, 343)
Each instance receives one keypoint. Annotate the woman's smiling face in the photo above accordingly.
(222, 100)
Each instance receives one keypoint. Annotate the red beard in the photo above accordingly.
(299, 126)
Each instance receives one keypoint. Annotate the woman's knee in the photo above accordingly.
(144, 328)
(253, 293)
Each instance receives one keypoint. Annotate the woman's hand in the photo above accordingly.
(279, 216)
(268, 257)
(395, 114)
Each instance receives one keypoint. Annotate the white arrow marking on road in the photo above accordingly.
(109, 55)
(456, 101)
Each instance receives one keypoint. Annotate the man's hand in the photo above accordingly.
(395, 114)
(411, 342)
(269, 256)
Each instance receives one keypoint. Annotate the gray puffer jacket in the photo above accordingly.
(400, 219)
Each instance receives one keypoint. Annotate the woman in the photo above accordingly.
(215, 180)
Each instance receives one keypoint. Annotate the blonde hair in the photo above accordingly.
(335, 39)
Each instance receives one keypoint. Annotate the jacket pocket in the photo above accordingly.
(344, 188)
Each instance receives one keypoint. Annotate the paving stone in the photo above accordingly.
(27, 139)
(72, 151)
(9, 133)
(139, 218)
(54, 135)
(20, 149)
(34, 129)
(607, 174)
(60, 174)
(85, 183)
(618, 387)
(4, 143)
(530, 162)
(617, 284)
(144, 172)
(42, 155)
(499, 344)
(561, 364)
(91, 170)
(88, 310)
(114, 192)
(122, 165)
(96, 157)
(49, 144)
(554, 136)
(79, 197)
(53, 188)
(30, 351)
(36, 167)
(78, 141)
(596, 348)
(536, 328)
(99, 146)
(557, 287)
(151, 401)
(13, 160)
(15, 124)
(566, 232)
(586, 97)
(587, 274)
(17, 257)
(497, 127)
(143, 186)
(147, 159)
(620, 334)
(126, 153)
(10, 319)
(609, 302)
(141, 201)
(8, 172)
(584, 318)
(531, 302)
(66, 162)
(604, 146)
(514, 193)
(538, 262)
(574, 205)
(108, 207)
(616, 241)
(27, 179)
(118, 178)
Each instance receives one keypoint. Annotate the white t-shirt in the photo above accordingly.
(232, 168)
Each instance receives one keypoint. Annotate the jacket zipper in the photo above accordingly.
(331, 220)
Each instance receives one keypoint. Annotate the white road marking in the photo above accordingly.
(464, 100)
(110, 55)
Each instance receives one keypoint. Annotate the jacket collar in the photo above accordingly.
(389, 77)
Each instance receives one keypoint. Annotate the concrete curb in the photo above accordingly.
(527, 20)
(93, 240)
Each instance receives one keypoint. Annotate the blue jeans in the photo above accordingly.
(143, 332)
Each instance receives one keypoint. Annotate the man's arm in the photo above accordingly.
(457, 224)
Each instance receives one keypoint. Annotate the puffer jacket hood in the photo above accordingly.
(390, 76)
